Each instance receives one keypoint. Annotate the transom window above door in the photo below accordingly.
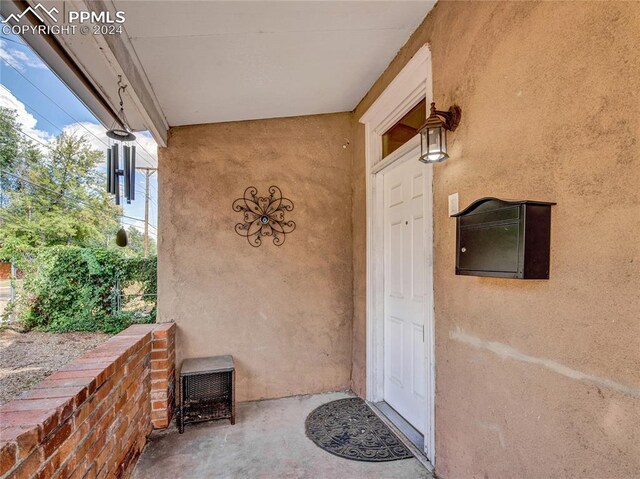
(404, 129)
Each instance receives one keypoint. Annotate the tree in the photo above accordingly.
(55, 198)
(17, 154)
(10, 140)
(136, 242)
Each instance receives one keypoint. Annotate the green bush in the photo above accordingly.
(69, 288)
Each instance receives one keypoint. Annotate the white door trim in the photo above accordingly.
(410, 86)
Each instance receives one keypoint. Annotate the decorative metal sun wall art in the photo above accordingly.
(264, 216)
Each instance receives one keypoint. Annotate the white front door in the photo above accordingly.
(407, 189)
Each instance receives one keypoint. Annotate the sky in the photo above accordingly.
(46, 107)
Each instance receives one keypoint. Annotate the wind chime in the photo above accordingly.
(120, 149)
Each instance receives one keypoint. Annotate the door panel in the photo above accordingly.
(395, 261)
(396, 350)
(406, 297)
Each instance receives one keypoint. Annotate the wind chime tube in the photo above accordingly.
(109, 170)
(127, 174)
(132, 193)
(116, 168)
(112, 170)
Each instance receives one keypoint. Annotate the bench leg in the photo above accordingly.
(181, 410)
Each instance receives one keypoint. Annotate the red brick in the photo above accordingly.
(158, 375)
(87, 373)
(159, 384)
(94, 450)
(29, 466)
(62, 407)
(69, 445)
(95, 418)
(140, 330)
(163, 364)
(158, 395)
(103, 456)
(26, 438)
(90, 363)
(45, 420)
(55, 440)
(159, 405)
(91, 472)
(104, 390)
(8, 456)
(82, 413)
(160, 423)
(46, 393)
(104, 423)
(88, 383)
(36, 404)
(159, 344)
(134, 375)
(100, 355)
(79, 472)
(48, 469)
(83, 445)
(158, 415)
(160, 333)
(158, 354)
(68, 467)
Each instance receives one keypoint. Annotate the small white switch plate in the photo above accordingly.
(453, 204)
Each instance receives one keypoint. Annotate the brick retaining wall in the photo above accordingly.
(163, 369)
(92, 417)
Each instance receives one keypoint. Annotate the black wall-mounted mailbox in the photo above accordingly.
(504, 239)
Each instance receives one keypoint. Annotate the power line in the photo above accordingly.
(14, 219)
(94, 209)
(53, 149)
(49, 121)
(145, 150)
(63, 195)
(56, 104)
(18, 130)
(27, 224)
(150, 161)
(141, 220)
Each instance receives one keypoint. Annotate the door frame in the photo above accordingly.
(407, 89)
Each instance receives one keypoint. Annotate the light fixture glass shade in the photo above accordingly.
(433, 141)
(433, 134)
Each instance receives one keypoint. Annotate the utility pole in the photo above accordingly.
(147, 174)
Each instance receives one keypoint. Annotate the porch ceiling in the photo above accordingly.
(189, 62)
(223, 61)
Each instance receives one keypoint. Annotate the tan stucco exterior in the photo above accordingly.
(284, 313)
(534, 378)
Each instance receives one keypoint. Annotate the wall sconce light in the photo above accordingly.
(433, 134)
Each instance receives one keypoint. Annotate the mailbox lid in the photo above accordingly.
(500, 214)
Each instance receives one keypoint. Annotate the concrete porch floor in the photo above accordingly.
(267, 441)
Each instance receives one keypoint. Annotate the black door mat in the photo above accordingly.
(349, 428)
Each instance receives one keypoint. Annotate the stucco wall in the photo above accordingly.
(534, 379)
(285, 312)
